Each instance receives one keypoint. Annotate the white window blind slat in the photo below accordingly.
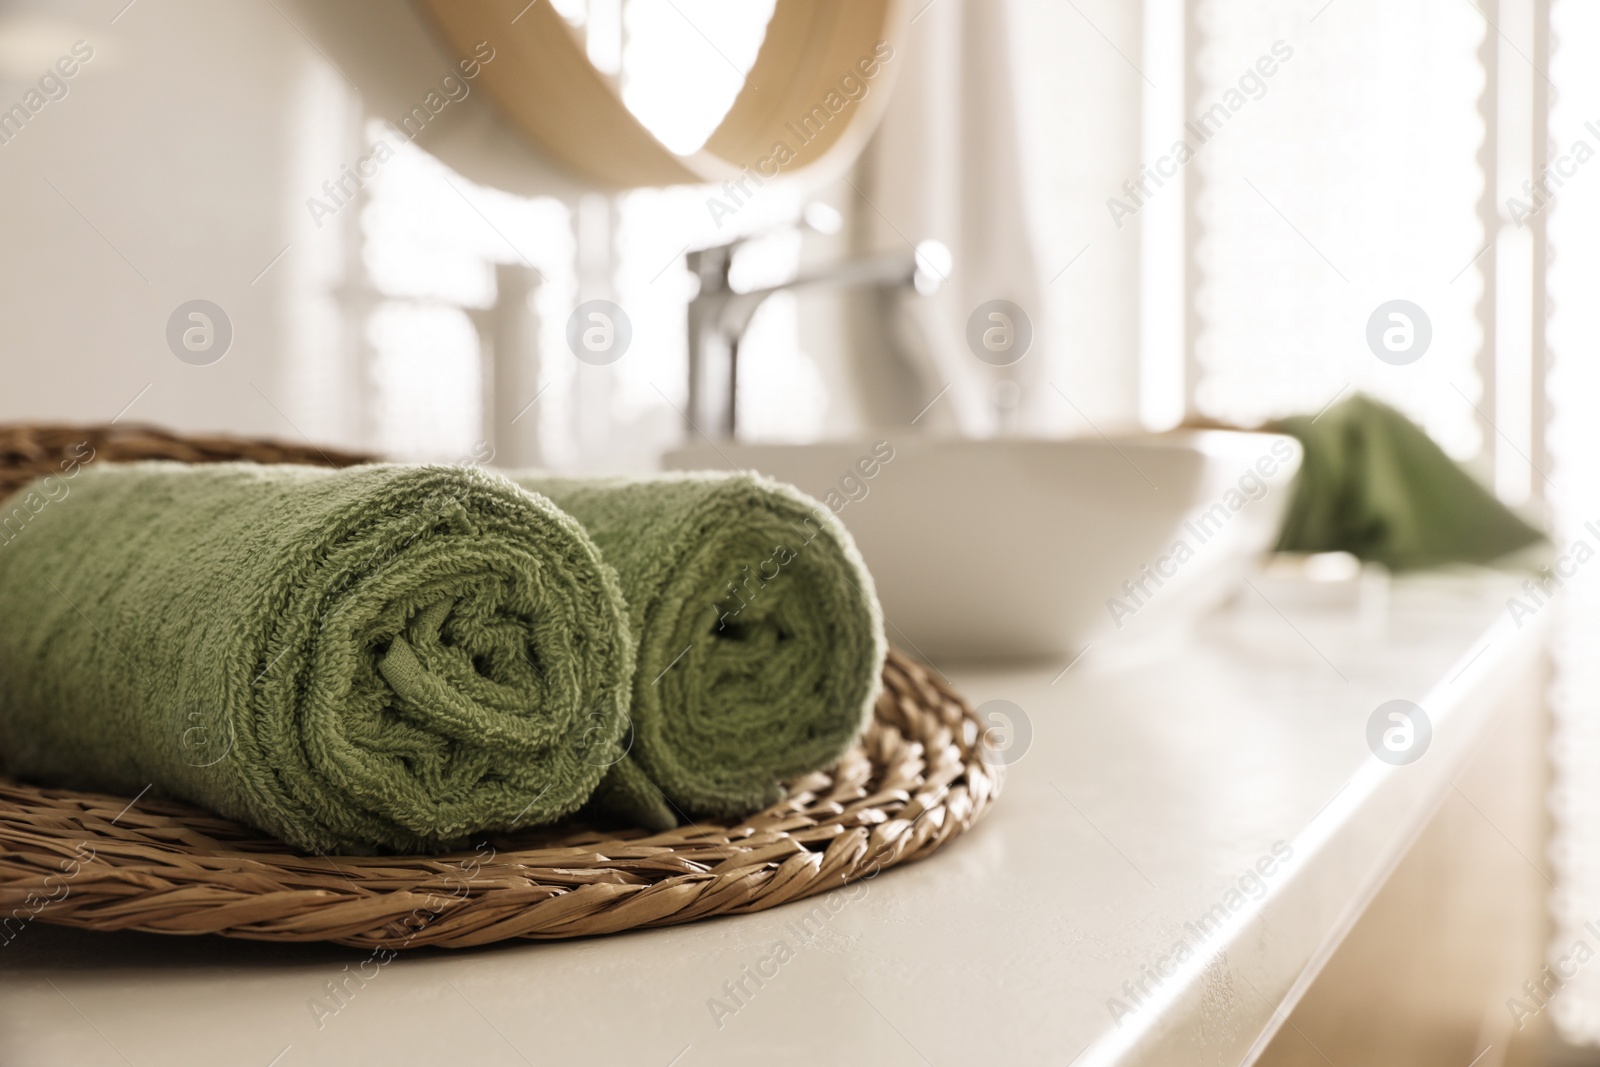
(1346, 178)
(1573, 441)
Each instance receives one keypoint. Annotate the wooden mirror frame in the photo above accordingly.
(542, 78)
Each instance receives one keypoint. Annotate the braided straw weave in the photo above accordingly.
(917, 780)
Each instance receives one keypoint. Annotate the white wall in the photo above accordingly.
(174, 142)
(190, 142)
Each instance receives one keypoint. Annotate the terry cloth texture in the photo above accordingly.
(760, 640)
(1374, 484)
(377, 658)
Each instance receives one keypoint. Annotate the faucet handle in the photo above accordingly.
(822, 218)
(933, 266)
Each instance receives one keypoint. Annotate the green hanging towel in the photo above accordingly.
(376, 658)
(760, 641)
(1374, 484)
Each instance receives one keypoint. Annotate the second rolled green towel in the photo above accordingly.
(381, 657)
(760, 641)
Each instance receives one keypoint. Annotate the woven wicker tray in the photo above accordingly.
(918, 779)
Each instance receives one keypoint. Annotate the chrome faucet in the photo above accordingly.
(719, 315)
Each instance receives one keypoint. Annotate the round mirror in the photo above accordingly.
(612, 88)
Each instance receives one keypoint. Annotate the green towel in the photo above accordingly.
(1374, 484)
(760, 642)
(377, 658)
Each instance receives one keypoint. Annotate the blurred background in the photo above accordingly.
(1198, 207)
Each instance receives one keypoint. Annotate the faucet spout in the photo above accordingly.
(719, 316)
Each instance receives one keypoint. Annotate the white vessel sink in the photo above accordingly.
(1019, 549)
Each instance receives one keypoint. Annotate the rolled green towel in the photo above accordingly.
(760, 641)
(1374, 484)
(377, 658)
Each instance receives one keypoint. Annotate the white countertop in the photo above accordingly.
(1153, 783)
